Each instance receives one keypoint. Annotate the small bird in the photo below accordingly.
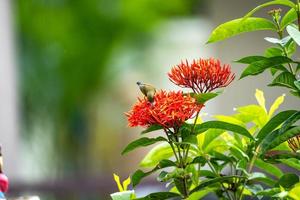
(147, 90)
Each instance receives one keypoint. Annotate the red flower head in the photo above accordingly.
(203, 75)
(170, 109)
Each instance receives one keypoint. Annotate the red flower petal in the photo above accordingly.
(170, 109)
(203, 75)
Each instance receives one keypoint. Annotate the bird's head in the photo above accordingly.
(138, 83)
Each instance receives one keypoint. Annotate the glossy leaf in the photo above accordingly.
(156, 154)
(200, 194)
(253, 113)
(204, 97)
(297, 84)
(276, 105)
(261, 177)
(210, 182)
(276, 137)
(272, 51)
(125, 195)
(291, 162)
(260, 66)
(250, 59)
(142, 142)
(139, 174)
(238, 26)
(160, 196)
(288, 18)
(290, 121)
(152, 128)
(210, 135)
(269, 168)
(273, 123)
(288, 180)
(224, 126)
(284, 79)
(294, 33)
(260, 98)
(275, 2)
(282, 42)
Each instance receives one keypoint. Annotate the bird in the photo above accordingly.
(148, 90)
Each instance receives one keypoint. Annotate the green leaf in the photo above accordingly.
(294, 33)
(260, 66)
(261, 177)
(290, 121)
(156, 154)
(288, 180)
(250, 59)
(284, 79)
(252, 113)
(199, 160)
(288, 18)
(275, 2)
(160, 196)
(139, 174)
(204, 97)
(152, 128)
(142, 142)
(291, 162)
(191, 139)
(297, 84)
(282, 42)
(206, 183)
(269, 192)
(272, 51)
(273, 123)
(260, 98)
(238, 26)
(200, 194)
(276, 105)
(210, 135)
(269, 168)
(276, 137)
(238, 153)
(224, 126)
(125, 195)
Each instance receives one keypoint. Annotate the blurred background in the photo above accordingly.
(68, 70)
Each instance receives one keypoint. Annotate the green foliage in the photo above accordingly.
(160, 196)
(221, 155)
(275, 2)
(294, 33)
(277, 137)
(224, 126)
(260, 66)
(276, 58)
(142, 142)
(238, 26)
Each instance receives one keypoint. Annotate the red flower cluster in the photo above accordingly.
(170, 109)
(203, 75)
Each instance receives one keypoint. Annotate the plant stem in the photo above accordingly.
(280, 34)
(172, 146)
(250, 167)
(214, 171)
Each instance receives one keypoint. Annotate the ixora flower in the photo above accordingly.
(202, 75)
(170, 109)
